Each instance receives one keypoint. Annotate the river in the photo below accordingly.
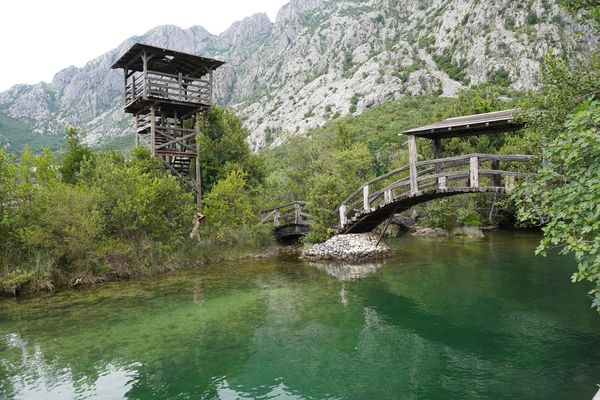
(440, 319)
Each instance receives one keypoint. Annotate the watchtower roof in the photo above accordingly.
(165, 61)
(477, 124)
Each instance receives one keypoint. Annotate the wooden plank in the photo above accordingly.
(494, 172)
(412, 163)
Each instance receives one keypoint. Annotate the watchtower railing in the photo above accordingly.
(443, 174)
(290, 213)
(171, 87)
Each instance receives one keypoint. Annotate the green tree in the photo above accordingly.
(74, 155)
(67, 223)
(566, 194)
(228, 206)
(224, 148)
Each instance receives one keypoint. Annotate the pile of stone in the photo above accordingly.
(349, 247)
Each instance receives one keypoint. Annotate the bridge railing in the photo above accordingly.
(471, 171)
(291, 213)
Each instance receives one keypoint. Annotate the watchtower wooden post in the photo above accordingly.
(166, 91)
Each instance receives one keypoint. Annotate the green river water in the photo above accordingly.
(441, 319)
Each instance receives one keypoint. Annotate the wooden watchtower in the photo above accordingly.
(165, 90)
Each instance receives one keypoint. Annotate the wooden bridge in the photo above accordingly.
(421, 181)
(289, 220)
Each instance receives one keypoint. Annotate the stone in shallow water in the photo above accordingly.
(349, 247)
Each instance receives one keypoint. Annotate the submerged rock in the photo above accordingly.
(429, 232)
(349, 247)
(468, 231)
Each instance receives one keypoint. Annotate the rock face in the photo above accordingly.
(322, 59)
(350, 247)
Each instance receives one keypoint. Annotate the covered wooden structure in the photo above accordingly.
(165, 90)
(425, 180)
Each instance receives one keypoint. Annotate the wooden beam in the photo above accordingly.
(137, 135)
(496, 181)
(437, 153)
(153, 130)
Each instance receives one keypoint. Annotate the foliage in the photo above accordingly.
(566, 193)
(75, 154)
(589, 8)
(222, 139)
(228, 206)
(86, 215)
(451, 213)
(563, 122)
(67, 223)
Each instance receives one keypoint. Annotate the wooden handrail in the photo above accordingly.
(292, 213)
(301, 203)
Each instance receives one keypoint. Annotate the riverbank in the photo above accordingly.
(193, 255)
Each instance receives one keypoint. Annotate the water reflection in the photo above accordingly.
(348, 272)
(35, 377)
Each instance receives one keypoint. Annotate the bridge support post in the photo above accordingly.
(496, 178)
(366, 206)
(343, 219)
(474, 172)
(437, 154)
(388, 196)
(296, 213)
(412, 162)
(442, 183)
(153, 130)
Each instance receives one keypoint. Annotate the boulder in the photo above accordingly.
(428, 232)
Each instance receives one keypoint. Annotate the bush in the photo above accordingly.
(228, 206)
(532, 18)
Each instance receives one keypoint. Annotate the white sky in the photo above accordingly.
(40, 37)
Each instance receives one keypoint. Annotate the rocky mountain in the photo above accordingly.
(319, 60)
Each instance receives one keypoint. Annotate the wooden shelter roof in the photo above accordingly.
(166, 61)
(477, 124)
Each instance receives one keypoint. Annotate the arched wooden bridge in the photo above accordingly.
(421, 181)
(289, 220)
(364, 209)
